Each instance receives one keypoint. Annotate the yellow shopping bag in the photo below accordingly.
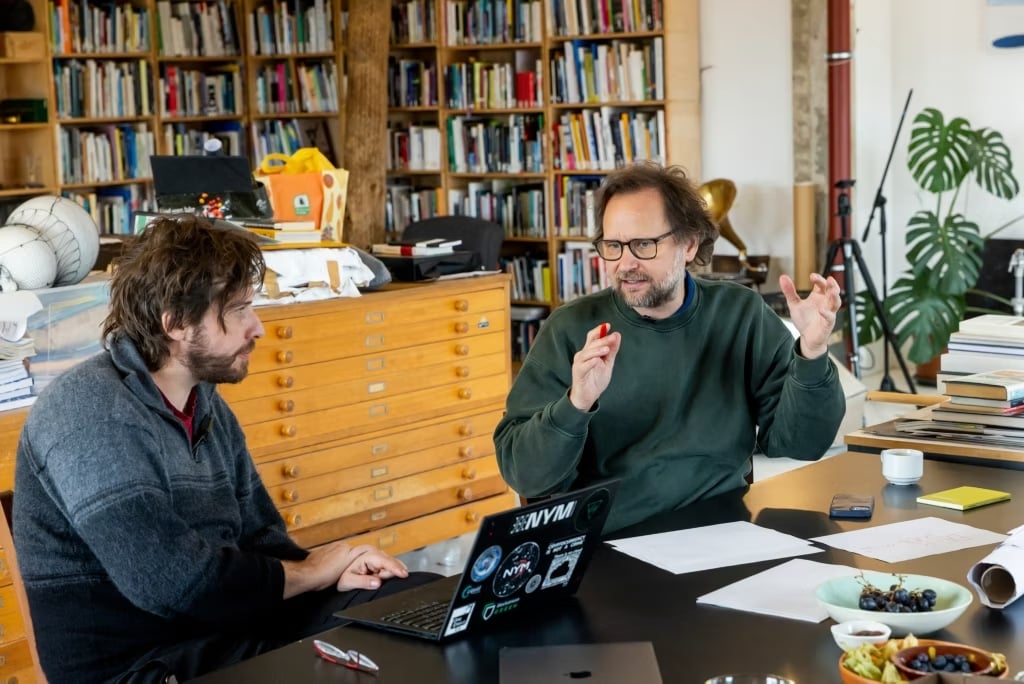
(320, 192)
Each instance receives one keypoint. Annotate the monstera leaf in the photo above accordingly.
(994, 165)
(946, 253)
(941, 155)
(921, 314)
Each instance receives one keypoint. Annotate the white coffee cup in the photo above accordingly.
(902, 466)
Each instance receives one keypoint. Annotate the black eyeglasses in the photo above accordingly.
(642, 248)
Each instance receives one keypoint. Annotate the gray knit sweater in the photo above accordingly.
(130, 537)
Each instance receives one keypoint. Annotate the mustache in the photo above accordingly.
(634, 276)
(246, 348)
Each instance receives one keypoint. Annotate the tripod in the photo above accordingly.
(852, 257)
(879, 205)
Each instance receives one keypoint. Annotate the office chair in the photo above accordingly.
(478, 235)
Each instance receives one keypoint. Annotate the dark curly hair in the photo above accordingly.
(685, 209)
(180, 265)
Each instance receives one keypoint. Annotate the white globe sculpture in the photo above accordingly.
(27, 261)
(68, 228)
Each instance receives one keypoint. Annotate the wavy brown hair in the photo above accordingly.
(180, 265)
(685, 210)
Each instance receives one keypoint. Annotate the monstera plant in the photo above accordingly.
(943, 246)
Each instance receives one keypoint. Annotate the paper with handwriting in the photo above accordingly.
(713, 546)
(786, 591)
(911, 539)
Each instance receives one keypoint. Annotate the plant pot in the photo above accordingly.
(925, 373)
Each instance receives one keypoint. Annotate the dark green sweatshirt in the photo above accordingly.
(689, 398)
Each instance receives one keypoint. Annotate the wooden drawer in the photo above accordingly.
(375, 518)
(308, 429)
(12, 626)
(456, 431)
(298, 402)
(367, 367)
(5, 570)
(303, 514)
(446, 524)
(16, 663)
(10, 430)
(384, 470)
(368, 328)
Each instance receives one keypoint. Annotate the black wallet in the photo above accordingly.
(851, 506)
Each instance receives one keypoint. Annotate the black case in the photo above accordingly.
(851, 506)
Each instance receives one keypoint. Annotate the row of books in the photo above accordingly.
(487, 22)
(196, 29)
(112, 209)
(200, 92)
(413, 21)
(109, 153)
(494, 85)
(404, 204)
(512, 145)
(575, 17)
(598, 72)
(79, 27)
(983, 343)
(292, 26)
(411, 83)
(15, 385)
(183, 139)
(414, 148)
(102, 88)
(311, 87)
(526, 322)
(531, 278)
(607, 139)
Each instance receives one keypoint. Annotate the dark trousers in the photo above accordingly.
(302, 616)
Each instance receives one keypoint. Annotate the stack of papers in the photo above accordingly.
(713, 546)
(785, 591)
(911, 539)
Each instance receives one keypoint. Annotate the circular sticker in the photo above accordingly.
(516, 569)
(593, 508)
(532, 585)
(485, 563)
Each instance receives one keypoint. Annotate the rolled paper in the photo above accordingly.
(804, 242)
(998, 578)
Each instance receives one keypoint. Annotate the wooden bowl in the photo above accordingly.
(851, 677)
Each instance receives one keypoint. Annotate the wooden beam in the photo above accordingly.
(366, 114)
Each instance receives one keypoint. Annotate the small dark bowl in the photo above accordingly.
(981, 661)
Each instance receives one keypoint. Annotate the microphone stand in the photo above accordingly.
(887, 384)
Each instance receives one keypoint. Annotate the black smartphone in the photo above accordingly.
(851, 506)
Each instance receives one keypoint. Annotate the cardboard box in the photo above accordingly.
(22, 45)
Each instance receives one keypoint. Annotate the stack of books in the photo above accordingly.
(15, 385)
(417, 248)
(983, 407)
(984, 343)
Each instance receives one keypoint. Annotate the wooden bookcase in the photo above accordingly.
(431, 63)
(130, 78)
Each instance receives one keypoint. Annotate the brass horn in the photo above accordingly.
(719, 195)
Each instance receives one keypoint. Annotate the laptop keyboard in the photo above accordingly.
(429, 616)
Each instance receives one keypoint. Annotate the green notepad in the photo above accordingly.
(964, 498)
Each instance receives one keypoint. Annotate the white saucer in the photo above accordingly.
(903, 480)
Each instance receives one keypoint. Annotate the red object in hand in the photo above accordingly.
(605, 327)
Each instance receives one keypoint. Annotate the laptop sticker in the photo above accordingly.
(532, 585)
(492, 609)
(485, 563)
(459, 620)
(516, 569)
(592, 509)
(565, 554)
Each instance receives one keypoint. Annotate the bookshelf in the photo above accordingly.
(125, 79)
(515, 110)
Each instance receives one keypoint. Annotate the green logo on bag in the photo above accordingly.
(301, 205)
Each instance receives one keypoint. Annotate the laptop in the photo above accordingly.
(521, 557)
(217, 187)
(608, 663)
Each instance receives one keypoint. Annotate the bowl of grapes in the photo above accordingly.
(907, 604)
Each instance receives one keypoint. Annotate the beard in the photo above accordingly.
(217, 368)
(658, 293)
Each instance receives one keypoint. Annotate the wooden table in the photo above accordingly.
(623, 599)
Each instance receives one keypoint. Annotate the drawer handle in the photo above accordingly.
(465, 493)
(290, 495)
(466, 430)
(293, 519)
(379, 471)
(377, 516)
(382, 493)
(284, 332)
(285, 381)
(378, 410)
(284, 357)
(465, 393)
(465, 452)
(462, 349)
(462, 327)
(291, 470)
(374, 317)
(288, 430)
(3, 567)
(375, 364)
(472, 516)
(462, 305)
(469, 473)
(374, 341)
(462, 371)
(286, 405)
(389, 540)
(378, 449)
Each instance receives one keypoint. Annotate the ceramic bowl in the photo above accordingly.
(856, 632)
(851, 677)
(981, 661)
(840, 597)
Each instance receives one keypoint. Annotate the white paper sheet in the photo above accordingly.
(786, 590)
(911, 539)
(15, 308)
(713, 546)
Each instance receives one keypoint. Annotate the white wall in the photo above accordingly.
(747, 120)
(938, 47)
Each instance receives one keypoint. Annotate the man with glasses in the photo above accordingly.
(663, 380)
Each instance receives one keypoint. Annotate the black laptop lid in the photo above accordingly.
(214, 186)
(529, 555)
